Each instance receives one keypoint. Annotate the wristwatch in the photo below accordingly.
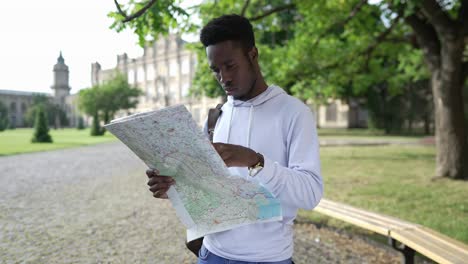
(255, 169)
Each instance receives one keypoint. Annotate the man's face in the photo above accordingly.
(232, 68)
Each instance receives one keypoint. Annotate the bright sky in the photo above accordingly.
(34, 32)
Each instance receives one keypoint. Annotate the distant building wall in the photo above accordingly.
(164, 73)
(18, 103)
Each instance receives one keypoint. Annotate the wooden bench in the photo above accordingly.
(412, 237)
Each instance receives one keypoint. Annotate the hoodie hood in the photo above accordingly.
(271, 92)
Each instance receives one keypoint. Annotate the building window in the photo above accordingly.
(173, 90)
(13, 108)
(185, 89)
(23, 108)
(149, 72)
(186, 66)
(173, 68)
(150, 90)
(162, 70)
(140, 74)
(131, 77)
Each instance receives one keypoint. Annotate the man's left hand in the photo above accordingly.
(236, 156)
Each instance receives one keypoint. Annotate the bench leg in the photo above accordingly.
(408, 253)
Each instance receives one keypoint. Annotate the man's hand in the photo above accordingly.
(236, 156)
(159, 184)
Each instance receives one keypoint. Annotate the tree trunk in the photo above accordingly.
(447, 84)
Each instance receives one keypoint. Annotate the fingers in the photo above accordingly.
(160, 195)
(159, 179)
(159, 185)
(152, 172)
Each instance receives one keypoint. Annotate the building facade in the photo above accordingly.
(18, 102)
(339, 114)
(164, 73)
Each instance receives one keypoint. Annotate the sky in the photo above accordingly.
(32, 34)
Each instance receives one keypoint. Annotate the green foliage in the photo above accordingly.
(80, 125)
(316, 52)
(41, 129)
(56, 116)
(106, 99)
(204, 82)
(163, 16)
(4, 121)
(96, 129)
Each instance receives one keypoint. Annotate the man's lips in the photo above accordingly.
(229, 89)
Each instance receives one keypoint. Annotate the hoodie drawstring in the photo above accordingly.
(229, 125)
(249, 127)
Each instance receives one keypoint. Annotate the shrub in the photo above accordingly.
(41, 128)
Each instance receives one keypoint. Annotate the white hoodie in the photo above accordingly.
(283, 130)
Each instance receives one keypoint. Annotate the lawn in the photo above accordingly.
(396, 181)
(19, 140)
(367, 134)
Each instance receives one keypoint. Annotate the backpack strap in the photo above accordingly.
(213, 115)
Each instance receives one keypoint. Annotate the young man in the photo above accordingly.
(263, 135)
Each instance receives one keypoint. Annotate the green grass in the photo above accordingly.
(396, 181)
(366, 134)
(18, 141)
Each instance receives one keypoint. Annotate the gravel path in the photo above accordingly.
(92, 205)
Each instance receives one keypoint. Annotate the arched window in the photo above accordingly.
(24, 108)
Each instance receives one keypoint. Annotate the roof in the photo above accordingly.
(23, 93)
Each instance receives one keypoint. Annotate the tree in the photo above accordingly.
(80, 125)
(3, 116)
(96, 129)
(56, 116)
(105, 100)
(41, 129)
(340, 49)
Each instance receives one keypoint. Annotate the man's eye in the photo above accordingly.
(230, 66)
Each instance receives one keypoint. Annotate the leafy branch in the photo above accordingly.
(341, 23)
(272, 11)
(136, 14)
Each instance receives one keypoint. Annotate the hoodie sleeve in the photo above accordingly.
(300, 183)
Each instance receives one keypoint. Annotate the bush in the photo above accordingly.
(41, 129)
(3, 117)
(96, 129)
(80, 123)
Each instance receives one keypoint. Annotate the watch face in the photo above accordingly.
(255, 170)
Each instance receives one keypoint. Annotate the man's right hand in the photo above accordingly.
(159, 184)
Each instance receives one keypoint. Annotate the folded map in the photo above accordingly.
(206, 197)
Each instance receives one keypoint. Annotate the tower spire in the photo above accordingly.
(60, 58)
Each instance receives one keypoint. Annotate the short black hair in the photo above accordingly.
(228, 27)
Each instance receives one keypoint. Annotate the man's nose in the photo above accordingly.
(224, 78)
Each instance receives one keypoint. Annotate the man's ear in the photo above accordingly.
(253, 53)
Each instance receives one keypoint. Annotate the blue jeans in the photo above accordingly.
(206, 257)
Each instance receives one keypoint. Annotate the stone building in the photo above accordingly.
(18, 102)
(164, 73)
(339, 114)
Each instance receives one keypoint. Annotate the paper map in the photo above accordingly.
(206, 197)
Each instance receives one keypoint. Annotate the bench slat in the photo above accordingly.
(384, 218)
(431, 246)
